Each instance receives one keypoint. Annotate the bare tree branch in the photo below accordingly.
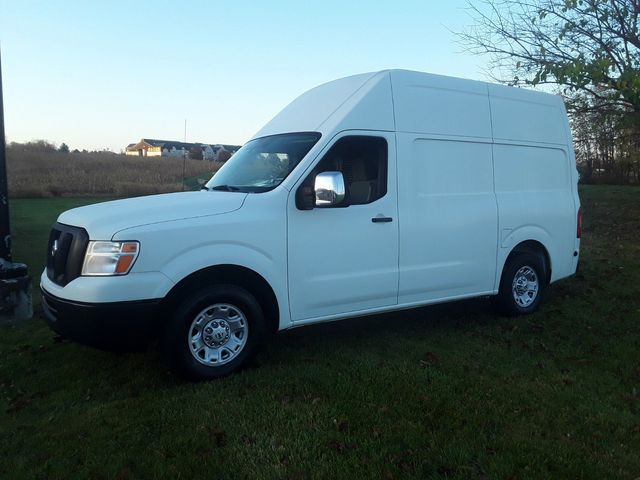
(589, 46)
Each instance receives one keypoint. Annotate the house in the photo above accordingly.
(148, 147)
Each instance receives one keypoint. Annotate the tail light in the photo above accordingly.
(579, 232)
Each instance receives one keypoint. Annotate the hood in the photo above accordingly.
(103, 220)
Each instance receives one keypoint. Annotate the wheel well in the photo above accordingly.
(243, 277)
(533, 246)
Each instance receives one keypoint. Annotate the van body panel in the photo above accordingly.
(254, 238)
(433, 104)
(101, 220)
(527, 116)
(511, 238)
(132, 287)
(575, 178)
(369, 108)
(533, 189)
(388, 308)
(307, 112)
(358, 102)
(448, 218)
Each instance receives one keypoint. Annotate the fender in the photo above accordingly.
(244, 255)
(510, 238)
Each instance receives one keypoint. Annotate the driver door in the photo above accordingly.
(344, 259)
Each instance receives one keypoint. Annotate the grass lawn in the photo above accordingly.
(450, 391)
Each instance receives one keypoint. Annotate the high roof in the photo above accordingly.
(417, 102)
(365, 98)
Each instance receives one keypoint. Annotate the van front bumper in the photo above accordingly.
(116, 325)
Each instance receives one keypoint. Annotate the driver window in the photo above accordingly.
(363, 163)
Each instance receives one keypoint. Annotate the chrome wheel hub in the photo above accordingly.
(525, 286)
(218, 334)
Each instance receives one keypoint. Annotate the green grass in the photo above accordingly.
(450, 391)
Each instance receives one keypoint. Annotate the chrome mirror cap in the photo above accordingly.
(329, 189)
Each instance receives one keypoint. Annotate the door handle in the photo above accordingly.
(381, 219)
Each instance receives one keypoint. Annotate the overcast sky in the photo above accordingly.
(103, 74)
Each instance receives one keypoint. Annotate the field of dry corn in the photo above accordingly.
(96, 174)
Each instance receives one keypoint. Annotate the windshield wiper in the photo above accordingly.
(225, 188)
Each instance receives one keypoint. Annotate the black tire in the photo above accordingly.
(176, 341)
(506, 301)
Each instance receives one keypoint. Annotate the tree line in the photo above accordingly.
(45, 146)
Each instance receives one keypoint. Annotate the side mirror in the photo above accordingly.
(329, 189)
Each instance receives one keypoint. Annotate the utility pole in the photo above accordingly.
(15, 284)
(184, 155)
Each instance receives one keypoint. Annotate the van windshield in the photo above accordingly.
(262, 164)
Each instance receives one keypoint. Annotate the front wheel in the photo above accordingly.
(522, 285)
(214, 332)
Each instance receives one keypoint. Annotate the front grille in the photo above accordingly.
(65, 253)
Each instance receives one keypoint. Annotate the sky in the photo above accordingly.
(100, 75)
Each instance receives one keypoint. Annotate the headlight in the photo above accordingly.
(110, 258)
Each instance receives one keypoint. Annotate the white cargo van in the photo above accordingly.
(368, 194)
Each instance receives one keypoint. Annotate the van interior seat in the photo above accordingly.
(360, 192)
(359, 179)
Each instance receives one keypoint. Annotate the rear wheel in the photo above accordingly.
(214, 332)
(522, 284)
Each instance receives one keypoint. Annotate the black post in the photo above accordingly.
(5, 228)
(15, 284)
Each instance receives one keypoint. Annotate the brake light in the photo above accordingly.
(579, 232)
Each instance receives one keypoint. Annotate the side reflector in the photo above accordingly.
(579, 232)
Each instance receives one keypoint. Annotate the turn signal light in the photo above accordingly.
(124, 264)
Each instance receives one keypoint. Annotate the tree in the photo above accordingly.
(195, 153)
(591, 47)
(64, 148)
(607, 146)
(39, 146)
(224, 155)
